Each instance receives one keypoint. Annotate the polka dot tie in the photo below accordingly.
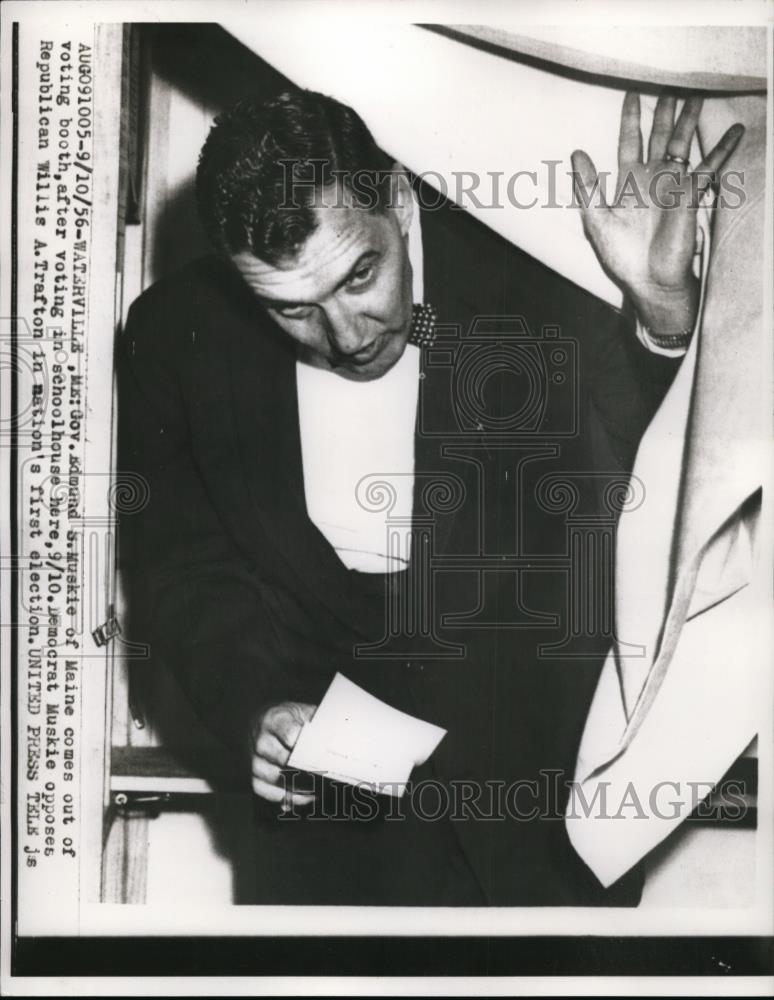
(423, 320)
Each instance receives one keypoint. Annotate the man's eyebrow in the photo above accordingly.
(366, 257)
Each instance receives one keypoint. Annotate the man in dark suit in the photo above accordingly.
(244, 588)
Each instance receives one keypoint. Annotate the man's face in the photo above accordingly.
(345, 297)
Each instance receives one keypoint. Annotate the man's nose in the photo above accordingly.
(345, 328)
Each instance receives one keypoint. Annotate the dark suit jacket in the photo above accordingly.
(247, 603)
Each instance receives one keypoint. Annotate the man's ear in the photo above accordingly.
(401, 198)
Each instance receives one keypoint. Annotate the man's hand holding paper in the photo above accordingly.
(351, 737)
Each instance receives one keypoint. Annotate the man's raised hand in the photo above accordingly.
(645, 238)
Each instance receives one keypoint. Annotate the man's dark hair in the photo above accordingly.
(264, 164)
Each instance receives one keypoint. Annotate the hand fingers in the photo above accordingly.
(274, 793)
(266, 783)
(663, 124)
(680, 142)
(286, 721)
(297, 799)
(630, 136)
(585, 180)
(270, 748)
(265, 770)
(717, 156)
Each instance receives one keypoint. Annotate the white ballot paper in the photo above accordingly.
(360, 740)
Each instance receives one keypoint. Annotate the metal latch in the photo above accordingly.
(102, 634)
(140, 803)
